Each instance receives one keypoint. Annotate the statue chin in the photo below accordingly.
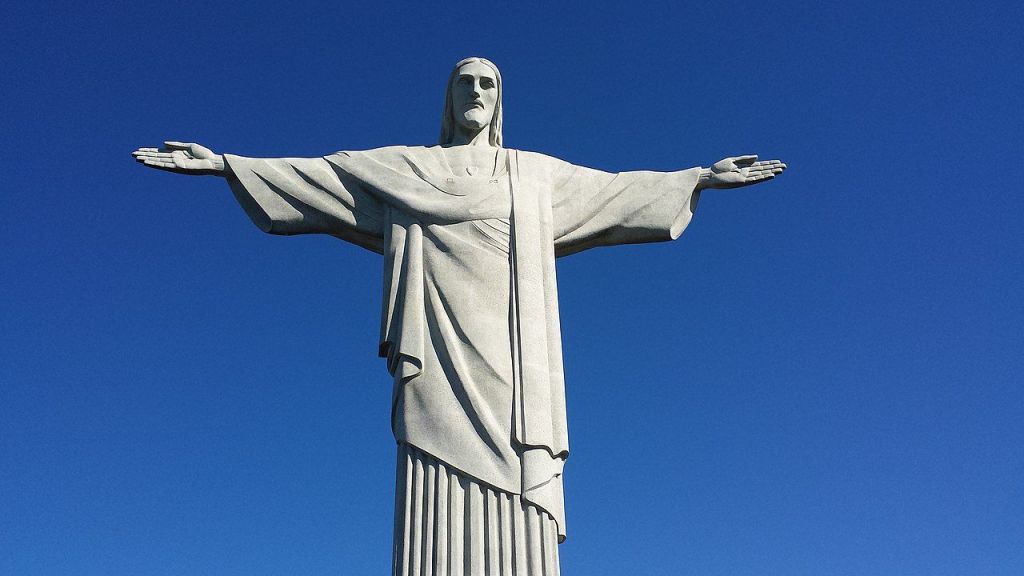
(474, 119)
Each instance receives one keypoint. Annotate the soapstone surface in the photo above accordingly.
(469, 232)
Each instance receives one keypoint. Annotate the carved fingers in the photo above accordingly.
(764, 170)
(155, 158)
(742, 171)
(181, 157)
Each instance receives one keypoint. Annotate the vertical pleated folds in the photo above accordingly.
(447, 524)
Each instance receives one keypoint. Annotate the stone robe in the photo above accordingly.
(469, 324)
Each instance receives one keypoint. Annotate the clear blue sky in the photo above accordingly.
(822, 376)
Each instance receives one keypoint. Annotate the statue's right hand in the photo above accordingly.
(181, 158)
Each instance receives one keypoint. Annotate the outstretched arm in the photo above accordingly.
(283, 195)
(183, 158)
(739, 171)
(594, 208)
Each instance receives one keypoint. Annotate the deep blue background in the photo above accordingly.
(823, 376)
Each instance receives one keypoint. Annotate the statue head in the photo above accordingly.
(473, 100)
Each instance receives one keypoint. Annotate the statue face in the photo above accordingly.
(474, 94)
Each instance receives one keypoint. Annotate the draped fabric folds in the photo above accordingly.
(449, 524)
(469, 322)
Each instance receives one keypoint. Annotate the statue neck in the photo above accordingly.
(471, 136)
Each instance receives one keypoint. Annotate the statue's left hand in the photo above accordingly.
(740, 171)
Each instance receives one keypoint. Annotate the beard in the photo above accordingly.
(474, 118)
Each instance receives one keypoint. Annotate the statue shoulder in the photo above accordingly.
(387, 151)
(410, 161)
(537, 160)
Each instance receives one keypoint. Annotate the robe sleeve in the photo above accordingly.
(307, 196)
(594, 208)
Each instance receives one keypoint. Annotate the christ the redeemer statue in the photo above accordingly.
(469, 231)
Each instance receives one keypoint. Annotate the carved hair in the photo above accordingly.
(448, 119)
